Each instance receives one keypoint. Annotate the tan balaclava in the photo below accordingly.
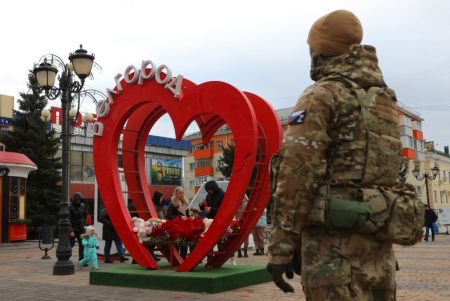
(333, 33)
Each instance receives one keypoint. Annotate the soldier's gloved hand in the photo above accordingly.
(277, 270)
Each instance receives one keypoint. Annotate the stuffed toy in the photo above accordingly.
(143, 229)
(90, 244)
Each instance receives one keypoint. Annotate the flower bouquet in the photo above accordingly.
(180, 231)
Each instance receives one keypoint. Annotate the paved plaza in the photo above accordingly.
(424, 275)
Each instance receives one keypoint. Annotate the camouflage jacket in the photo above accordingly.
(325, 142)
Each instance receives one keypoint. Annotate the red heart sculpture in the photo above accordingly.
(134, 112)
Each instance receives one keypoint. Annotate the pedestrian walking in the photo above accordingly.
(77, 217)
(109, 235)
(430, 218)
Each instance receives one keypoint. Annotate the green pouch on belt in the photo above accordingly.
(350, 215)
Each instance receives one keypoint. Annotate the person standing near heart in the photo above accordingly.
(178, 208)
(213, 200)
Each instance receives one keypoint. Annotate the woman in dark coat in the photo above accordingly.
(213, 199)
(158, 199)
(109, 235)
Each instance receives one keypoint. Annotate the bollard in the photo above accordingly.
(46, 237)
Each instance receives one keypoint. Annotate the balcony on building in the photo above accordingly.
(204, 171)
(203, 153)
(409, 153)
(418, 135)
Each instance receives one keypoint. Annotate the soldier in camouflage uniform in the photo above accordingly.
(325, 154)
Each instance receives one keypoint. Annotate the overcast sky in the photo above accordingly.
(257, 46)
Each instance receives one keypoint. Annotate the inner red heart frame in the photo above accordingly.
(133, 113)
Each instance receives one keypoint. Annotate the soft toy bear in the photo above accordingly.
(90, 244)
(139, 227)
(143, 229)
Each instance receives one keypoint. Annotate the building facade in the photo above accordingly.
(202, 163)
(411, 135)
(439, 188)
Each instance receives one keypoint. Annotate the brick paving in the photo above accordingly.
(424, 275)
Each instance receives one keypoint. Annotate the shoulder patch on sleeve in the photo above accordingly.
(297, 117)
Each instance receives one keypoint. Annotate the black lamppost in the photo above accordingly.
(426, 176)
(81, 64)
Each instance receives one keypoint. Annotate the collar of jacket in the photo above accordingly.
(360, 65)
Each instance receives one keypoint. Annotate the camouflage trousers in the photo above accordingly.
(340, 265)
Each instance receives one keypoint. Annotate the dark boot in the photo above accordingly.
(123, 259)
(245, 253)
(256, 253)
(262, 251)
(239, 254)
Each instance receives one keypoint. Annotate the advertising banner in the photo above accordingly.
(444, 216)
(166, 172)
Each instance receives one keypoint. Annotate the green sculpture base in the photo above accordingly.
(202, 280)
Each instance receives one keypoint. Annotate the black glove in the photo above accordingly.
(277, 271)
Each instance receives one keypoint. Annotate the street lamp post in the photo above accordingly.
(81, 64)
(426, 176)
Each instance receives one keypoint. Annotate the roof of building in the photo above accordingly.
(15, 158)
(169, 142)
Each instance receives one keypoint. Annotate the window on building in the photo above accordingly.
(203, 163)
(220, 145)
(82, 167)
(76, 166)
(192, 184)
(407, 121)
(191, 166)
(88, 167)
(435, 196)
(411, 142)
(419, 125)
(418, 145)
(200, 180)
(407, 141)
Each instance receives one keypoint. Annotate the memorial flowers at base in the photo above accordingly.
(180, 231)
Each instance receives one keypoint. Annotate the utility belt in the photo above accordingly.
(392, 215)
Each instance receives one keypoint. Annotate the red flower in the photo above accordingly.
(184, 229)
(234, 225)
(158, 232)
